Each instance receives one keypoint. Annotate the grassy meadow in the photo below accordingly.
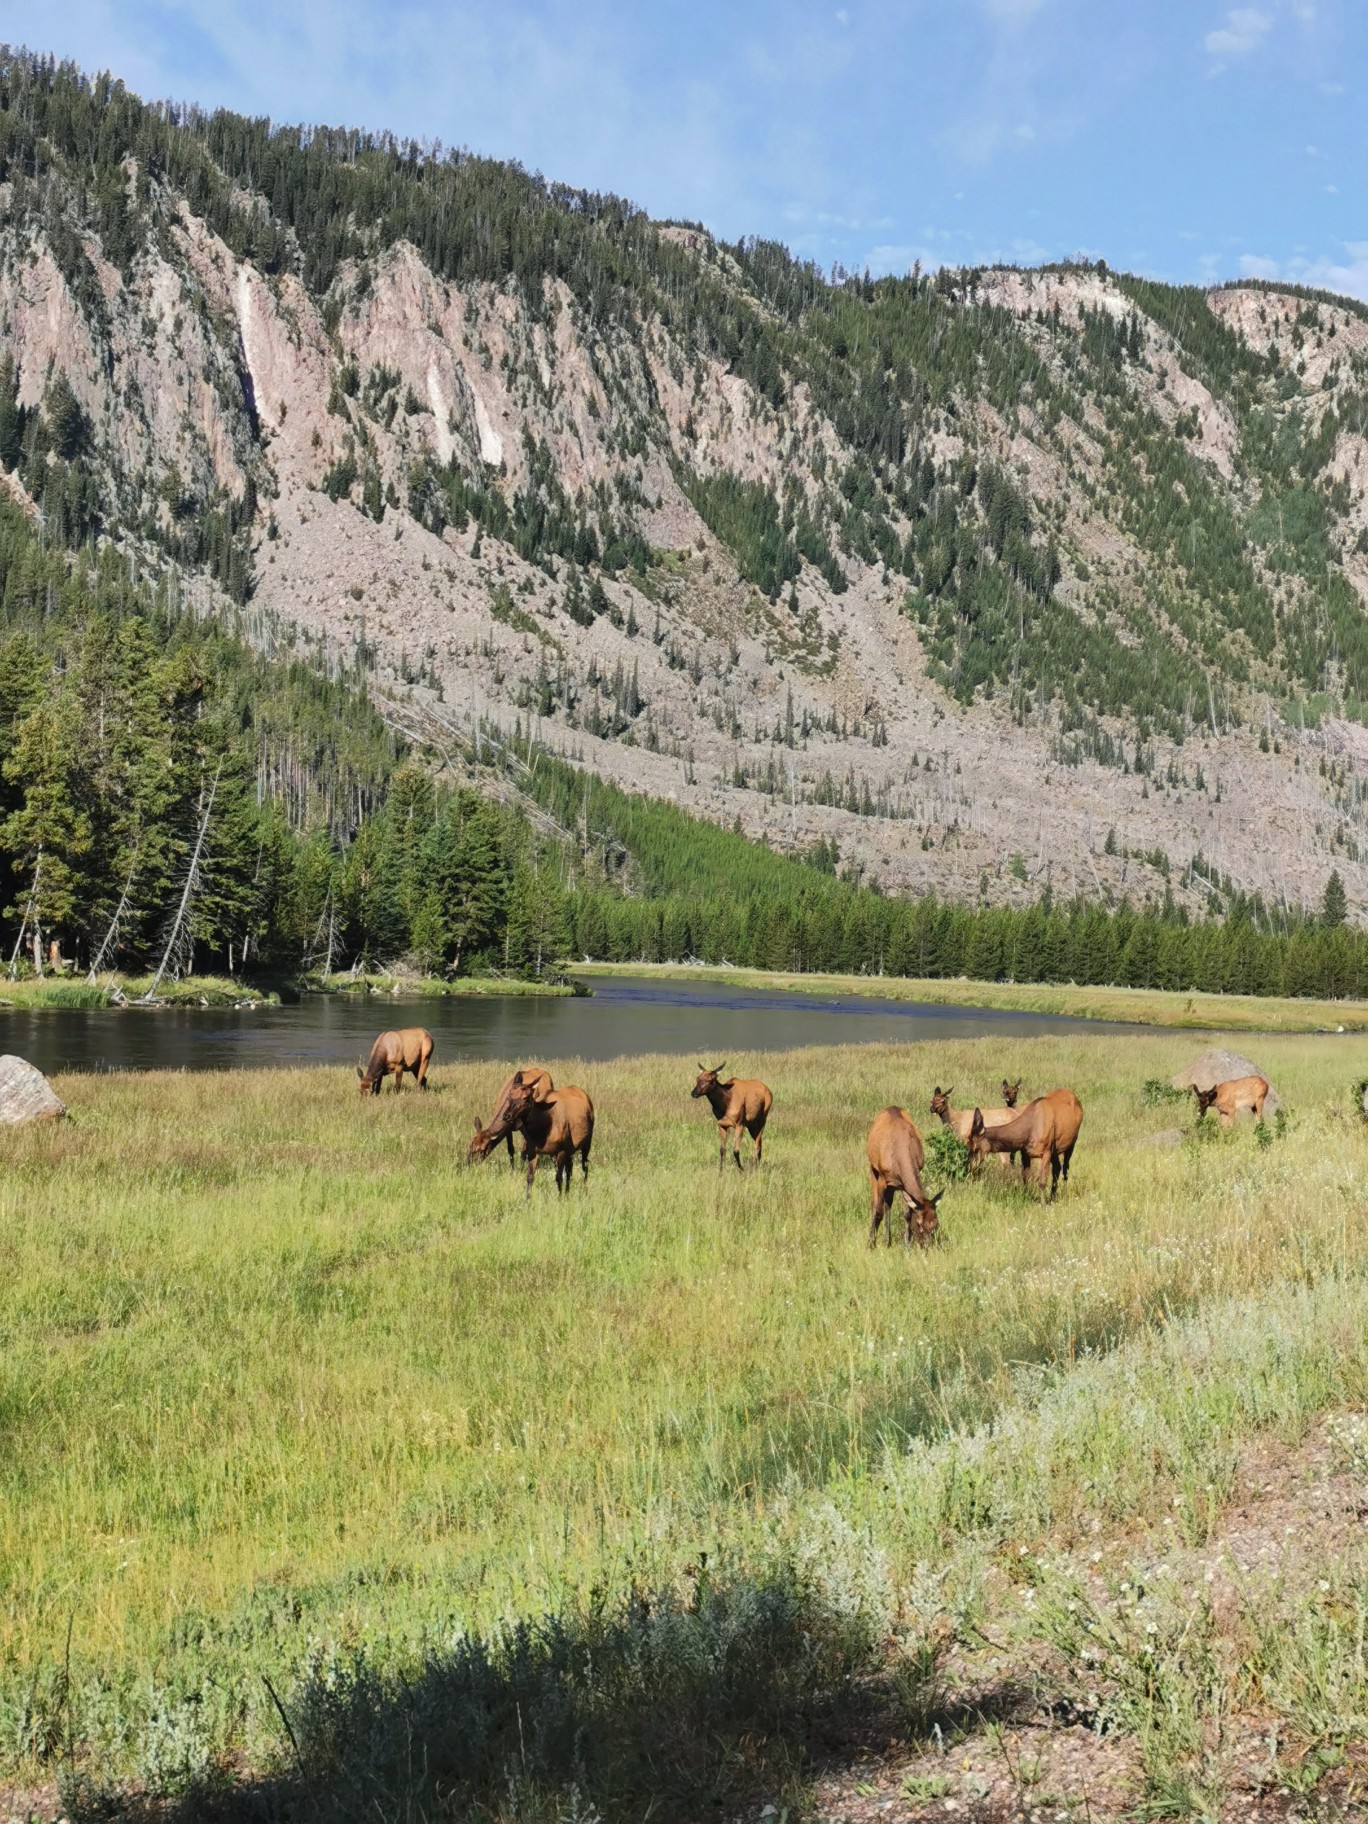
(1189, 1009)
(287, 1389)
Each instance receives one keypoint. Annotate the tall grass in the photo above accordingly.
(286, 1389)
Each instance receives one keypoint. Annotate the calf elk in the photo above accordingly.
(1233, 1098)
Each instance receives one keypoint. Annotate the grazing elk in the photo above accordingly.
(896, 1157)
(741, 1103)
(1233, 1098)
(557, 1126)
(1044, 1133)
(542, 1086)
(392, 1054)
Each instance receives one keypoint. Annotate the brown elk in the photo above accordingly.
(896, 1157)
(392, 1054)
(962, 1120)
(1010, 1092)
(557, 1126)
(1233, 1098)
(542, 1086)
(740, 1104)
(1045, 1133)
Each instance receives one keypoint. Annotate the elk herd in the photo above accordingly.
(557, 1124)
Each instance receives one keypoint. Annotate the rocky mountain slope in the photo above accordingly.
(995, 579)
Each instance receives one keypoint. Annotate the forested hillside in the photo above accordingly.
(996, 585)
(128, 723)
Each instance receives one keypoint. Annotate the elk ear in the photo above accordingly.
(933, 1201)
(360, 1071)
(976, 1126)
(477, 1124)
(949, 1092)
(703, 1070)
(937, 1090)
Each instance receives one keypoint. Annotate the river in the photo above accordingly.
(624, 1016)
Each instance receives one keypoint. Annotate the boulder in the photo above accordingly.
(26, 1095)
(1221, 1066)
(1167, 1136)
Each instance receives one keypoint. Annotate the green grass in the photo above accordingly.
(1186, 1010)
(283, 1382)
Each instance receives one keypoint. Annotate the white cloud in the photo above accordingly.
(1244, 30)
(1332, 189)
(1347, 272)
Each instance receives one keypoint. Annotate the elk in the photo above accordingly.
(1233, 1098)
(392, 1054)
(1010, 1092)
(741, 1103)
(542, 1086)
(896, 1156)
(557, 1125)
(960, 1121)
(1045, 1132)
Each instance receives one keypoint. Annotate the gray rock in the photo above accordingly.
(1221, 1066)
(26, 1095)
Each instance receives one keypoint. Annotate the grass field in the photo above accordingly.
(1139, 1006)
(286, 1388)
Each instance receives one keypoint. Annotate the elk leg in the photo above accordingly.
(876, 1211)
(531, 1174)
(736, 1147)
(721, 1148)
(1068, 1155)
(508, 1141)
(584, 1161)
(759, 1144)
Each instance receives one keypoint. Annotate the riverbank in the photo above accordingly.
(293, 1395)
(1134, 1006)
(115, 990)
(435, 987)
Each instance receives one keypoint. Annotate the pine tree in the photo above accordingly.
(1334, 903)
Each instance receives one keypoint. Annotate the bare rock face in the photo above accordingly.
(26, 1095)
(1221, 1066)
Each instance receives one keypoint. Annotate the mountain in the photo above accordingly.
(994, 579)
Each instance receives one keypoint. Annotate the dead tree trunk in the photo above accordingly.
(192, 881)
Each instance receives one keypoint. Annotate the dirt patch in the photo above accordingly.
(1027, 1734)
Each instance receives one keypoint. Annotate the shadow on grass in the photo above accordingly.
(664, 1703)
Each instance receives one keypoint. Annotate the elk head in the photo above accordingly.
(1205, 1098)
(1010, 1092)
(940, 1102)
(363, 1082)
(922, 1219)
(708, 1080)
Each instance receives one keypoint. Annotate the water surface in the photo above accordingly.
(625, 1016)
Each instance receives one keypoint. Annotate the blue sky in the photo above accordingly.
(1185, 138)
